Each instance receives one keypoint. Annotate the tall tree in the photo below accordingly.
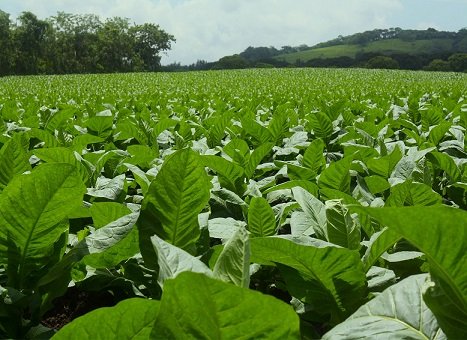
(6, 54)
(30, 41)
(150, 41)
(116, 46)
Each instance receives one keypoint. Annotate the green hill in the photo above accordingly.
(384, 47)
(392, 48)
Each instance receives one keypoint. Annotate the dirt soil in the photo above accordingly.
(73, 304)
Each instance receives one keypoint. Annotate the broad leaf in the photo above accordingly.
(376, 184)
(336, 176)
(14, 160)
(230, 174)
(195, 306)
(115, 241)
(399, 313)
(384, 166)
(314, 209)
(412, 193)
(330, 278)
(377, 245)
(224, 228)
(32, 210)
(109, 188)
(130, 319)
(233, 264)
(438, 132)
(440, 233)
(313, 157)
(445, 163)
(173, 261)
(103, 213)
(256, 157)
(261, 219)
(307, 185)
(174, 200)
(321, 125)
(63, 155)
(341, 229)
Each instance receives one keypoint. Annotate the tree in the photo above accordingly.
(254, 54)
(150, 40)
(438, 65)
(231, 62)
(64, 52)
(382, 62)
(30, 42)
(116, 48)
(458, 62)
(6, 54)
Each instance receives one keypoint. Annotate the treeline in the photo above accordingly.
(395, 33)
(69, 43)
(251, 57)
(456, 62)
(447, 62)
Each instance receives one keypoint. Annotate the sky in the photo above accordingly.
(211, 29)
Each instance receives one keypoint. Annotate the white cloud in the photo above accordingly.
(210, 29)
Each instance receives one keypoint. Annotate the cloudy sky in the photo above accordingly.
(210, 29)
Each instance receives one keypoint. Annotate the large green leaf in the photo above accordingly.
(412, 193)
(321, 125)
(238, 150)
(173, 261)
(117, 237)
(377, 245)
(307, 185)
(233, 263)
(279, 124)
(297, 172)
(330, 278)
(230, 174)
(261, 218)
(336, 176)
(438, 132)
(113, 254)
(130, 319)
(63, 155)
(383, 166)
(256, 157)
(197, 307)
(313, 157)
(174, 200)
(445, 163)
(376, 184)
(32, 210)
(109, 188)
(398, 313)
(440, 232)
(257, 131)
(341, 229)
(14, 160)
(314, 209)
(104, 248)
(103, 213)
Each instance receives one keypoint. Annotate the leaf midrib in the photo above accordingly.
(28, 241)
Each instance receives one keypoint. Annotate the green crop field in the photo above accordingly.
(291, 203)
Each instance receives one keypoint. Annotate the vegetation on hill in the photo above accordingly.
(407, 49)
(68, 43)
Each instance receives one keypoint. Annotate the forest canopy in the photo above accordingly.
(71, 43)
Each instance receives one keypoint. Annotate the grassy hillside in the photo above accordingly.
(388, 46)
